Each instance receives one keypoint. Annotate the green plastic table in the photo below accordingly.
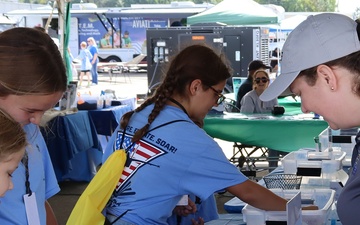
(284, 133)
(292, 105)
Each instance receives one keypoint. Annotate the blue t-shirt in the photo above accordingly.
(85, 55)
(174, 160)
(93, 50)
(349, 199)
(42, 181)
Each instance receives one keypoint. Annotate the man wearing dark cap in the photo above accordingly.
(248, 83)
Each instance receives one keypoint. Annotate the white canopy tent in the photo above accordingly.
(278, 33)
(291, 22)
(5, 20)
(6, 23)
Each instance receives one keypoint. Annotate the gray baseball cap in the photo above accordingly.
(317, 40)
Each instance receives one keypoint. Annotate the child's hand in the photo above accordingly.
(310, 207)
(200, 221)
(185, 210)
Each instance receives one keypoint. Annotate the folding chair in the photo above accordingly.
(230, 105)
(243, 154)
(121, 69)
(243, 157)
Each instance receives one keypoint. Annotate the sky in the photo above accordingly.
(348, 6)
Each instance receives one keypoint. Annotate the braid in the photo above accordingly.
(141, 132)
(125, 119)
(147, 102)
(160, 98)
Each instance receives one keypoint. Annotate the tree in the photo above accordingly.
(36, 1)
(356, 14)
(127, 3)
(303, 5)
(289, 5)
(102, 3)
(109, 3)
(209, 1)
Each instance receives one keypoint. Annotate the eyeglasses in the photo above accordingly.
(263, 79)
(220, 96)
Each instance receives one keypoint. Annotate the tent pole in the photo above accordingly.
(61, 9)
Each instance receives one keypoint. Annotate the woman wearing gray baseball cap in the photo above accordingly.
(328, 82)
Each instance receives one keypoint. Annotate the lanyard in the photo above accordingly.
(31, 206)
(25, 161)
(178, 104)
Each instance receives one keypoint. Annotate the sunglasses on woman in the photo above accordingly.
(261, 79)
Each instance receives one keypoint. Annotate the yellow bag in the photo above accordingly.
(89, 207)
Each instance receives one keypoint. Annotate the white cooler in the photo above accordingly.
(323, 198)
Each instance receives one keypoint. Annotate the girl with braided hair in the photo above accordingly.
(169, 155)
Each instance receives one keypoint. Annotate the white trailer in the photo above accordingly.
(33, 18)
(114, 22)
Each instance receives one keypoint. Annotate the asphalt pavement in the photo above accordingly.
(124, 84)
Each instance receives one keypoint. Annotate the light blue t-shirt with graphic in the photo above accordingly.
(171, 161)
(42, 181)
